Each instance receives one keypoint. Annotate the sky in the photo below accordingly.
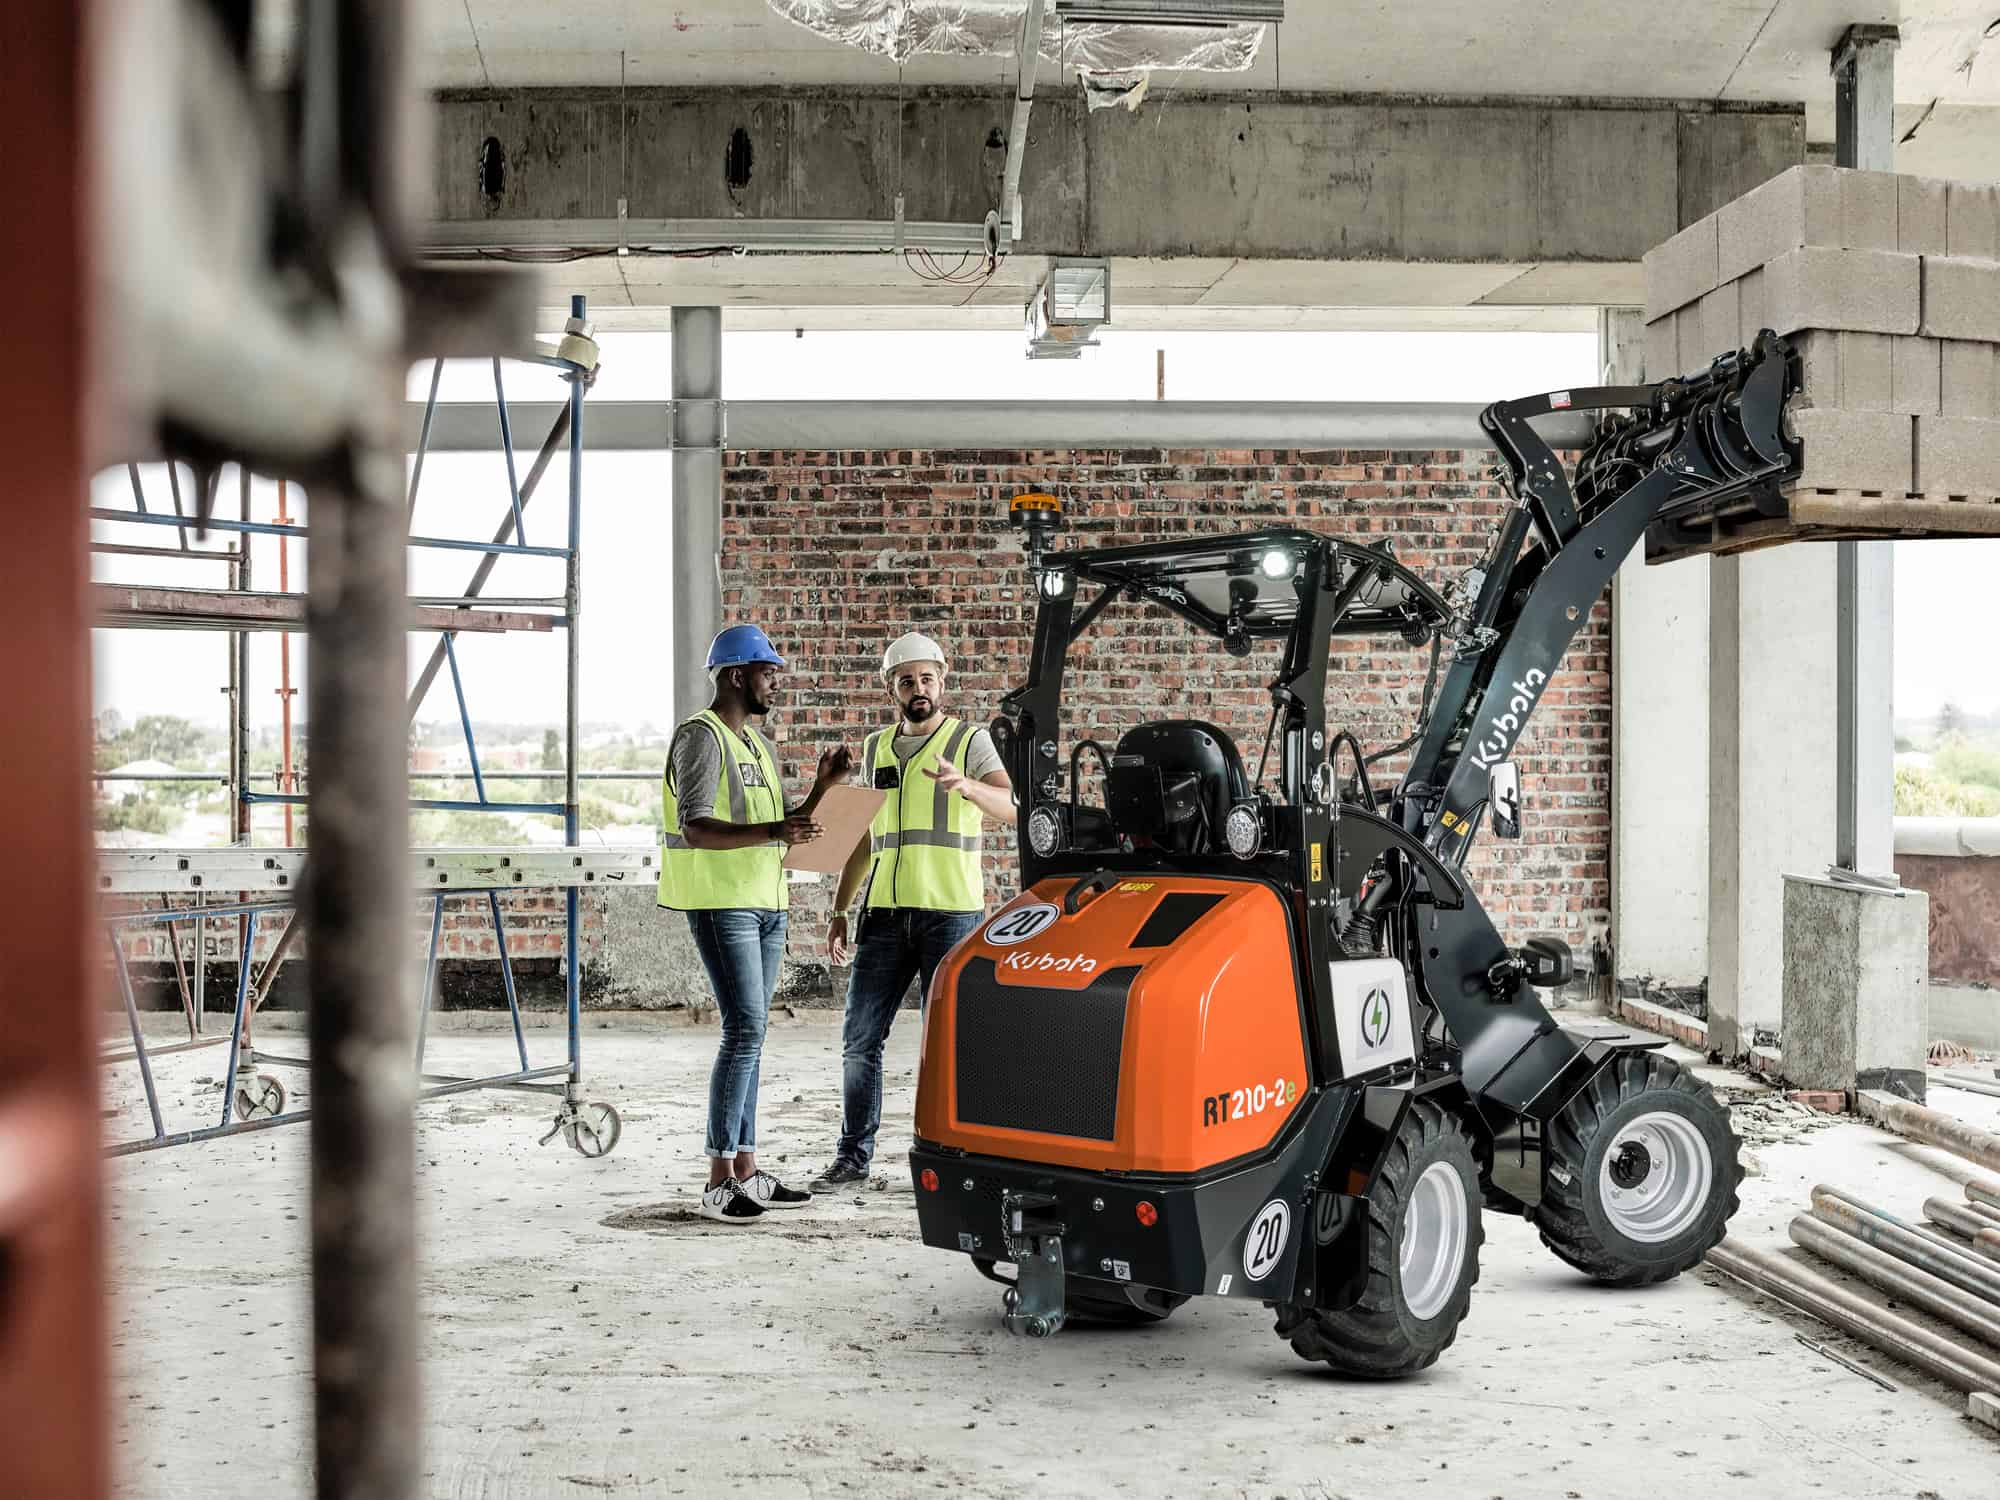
(1943, 614)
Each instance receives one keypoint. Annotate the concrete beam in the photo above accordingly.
(1233, 178)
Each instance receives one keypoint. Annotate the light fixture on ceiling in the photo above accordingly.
(1172, 12)
(1071, 302)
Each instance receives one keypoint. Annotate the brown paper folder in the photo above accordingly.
(845, 813)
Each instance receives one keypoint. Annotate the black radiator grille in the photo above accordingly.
(1039, 1059)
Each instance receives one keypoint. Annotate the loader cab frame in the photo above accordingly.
(1314, 845)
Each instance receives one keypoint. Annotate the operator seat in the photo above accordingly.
(1172, 783)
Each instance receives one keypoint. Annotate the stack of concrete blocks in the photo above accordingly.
(1889, 286)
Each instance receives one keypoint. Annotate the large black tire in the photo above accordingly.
(1579, 1216)
(1381, 1337)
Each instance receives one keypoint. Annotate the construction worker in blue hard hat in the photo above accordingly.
(722, 862)
(925, 890)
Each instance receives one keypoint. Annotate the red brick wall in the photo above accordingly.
(835, 554)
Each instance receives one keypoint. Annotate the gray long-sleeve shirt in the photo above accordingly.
(696, 760)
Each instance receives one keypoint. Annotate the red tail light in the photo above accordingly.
(1148, 1215)
(929, 1180)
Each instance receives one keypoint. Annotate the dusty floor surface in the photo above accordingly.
(585, 1336)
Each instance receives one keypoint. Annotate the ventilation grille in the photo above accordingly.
(1039, 1059)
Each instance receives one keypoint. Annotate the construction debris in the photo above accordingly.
(1763, 1117)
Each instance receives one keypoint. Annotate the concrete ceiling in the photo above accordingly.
(1747, 51)
(1753, 50)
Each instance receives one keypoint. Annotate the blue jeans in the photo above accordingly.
(894, 946)
(740, 949)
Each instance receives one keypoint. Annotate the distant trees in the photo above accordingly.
(168, 737)
(552, 756)
(1950, 722)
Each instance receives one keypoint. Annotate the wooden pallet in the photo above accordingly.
(1819, 515)
(1911, 514)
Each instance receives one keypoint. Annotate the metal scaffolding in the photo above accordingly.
(183, 878)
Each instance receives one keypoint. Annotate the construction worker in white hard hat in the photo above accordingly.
(920, 860)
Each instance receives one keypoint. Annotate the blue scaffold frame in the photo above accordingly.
(256, 1101)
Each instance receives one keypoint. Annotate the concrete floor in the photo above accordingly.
(585, 1335)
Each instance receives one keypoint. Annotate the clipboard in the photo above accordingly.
(845, 813)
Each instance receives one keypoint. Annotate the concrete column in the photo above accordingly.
(1659, 739)
(695, 536)
(1771, 768)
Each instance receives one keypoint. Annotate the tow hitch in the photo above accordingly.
(1035, 1302)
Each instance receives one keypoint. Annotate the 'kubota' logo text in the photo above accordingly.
(1048, 963)
(1507, 726)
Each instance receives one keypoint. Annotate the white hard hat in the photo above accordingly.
(909, 648)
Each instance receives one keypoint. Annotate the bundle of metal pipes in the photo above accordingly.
(1948, 1270)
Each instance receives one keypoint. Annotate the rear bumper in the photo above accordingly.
(1193, 1247)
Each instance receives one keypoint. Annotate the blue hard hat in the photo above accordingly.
(742, 646)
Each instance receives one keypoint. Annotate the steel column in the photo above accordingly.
(1864, 73)
(696, 539)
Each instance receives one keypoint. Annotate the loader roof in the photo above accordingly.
(1252, 580)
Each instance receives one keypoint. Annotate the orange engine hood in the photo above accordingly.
(1158, 1029)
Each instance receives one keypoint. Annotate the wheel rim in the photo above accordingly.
(1434, 1236)
(1655, 1176)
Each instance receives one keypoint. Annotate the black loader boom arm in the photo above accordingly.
(1682, 454)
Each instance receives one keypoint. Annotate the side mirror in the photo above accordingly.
(1503, 796)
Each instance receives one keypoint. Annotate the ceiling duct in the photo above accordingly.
(1156, 36)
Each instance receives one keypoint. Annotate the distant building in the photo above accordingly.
(127, 791)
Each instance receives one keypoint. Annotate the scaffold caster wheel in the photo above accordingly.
(260, 1098)
(593, 1129)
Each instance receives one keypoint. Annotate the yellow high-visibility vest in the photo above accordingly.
(924, 841)
(715, 879)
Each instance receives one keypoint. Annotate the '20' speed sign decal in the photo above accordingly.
(1020, 924)
(1265, 1242)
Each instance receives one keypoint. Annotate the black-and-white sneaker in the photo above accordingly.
(728, 1203)
(839, 1176)
(767, 1192)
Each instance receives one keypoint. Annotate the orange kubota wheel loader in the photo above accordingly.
(1252, 1035)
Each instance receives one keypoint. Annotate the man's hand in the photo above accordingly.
(834, 765)
(799, 828)
(836, 939)
(949, 777)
